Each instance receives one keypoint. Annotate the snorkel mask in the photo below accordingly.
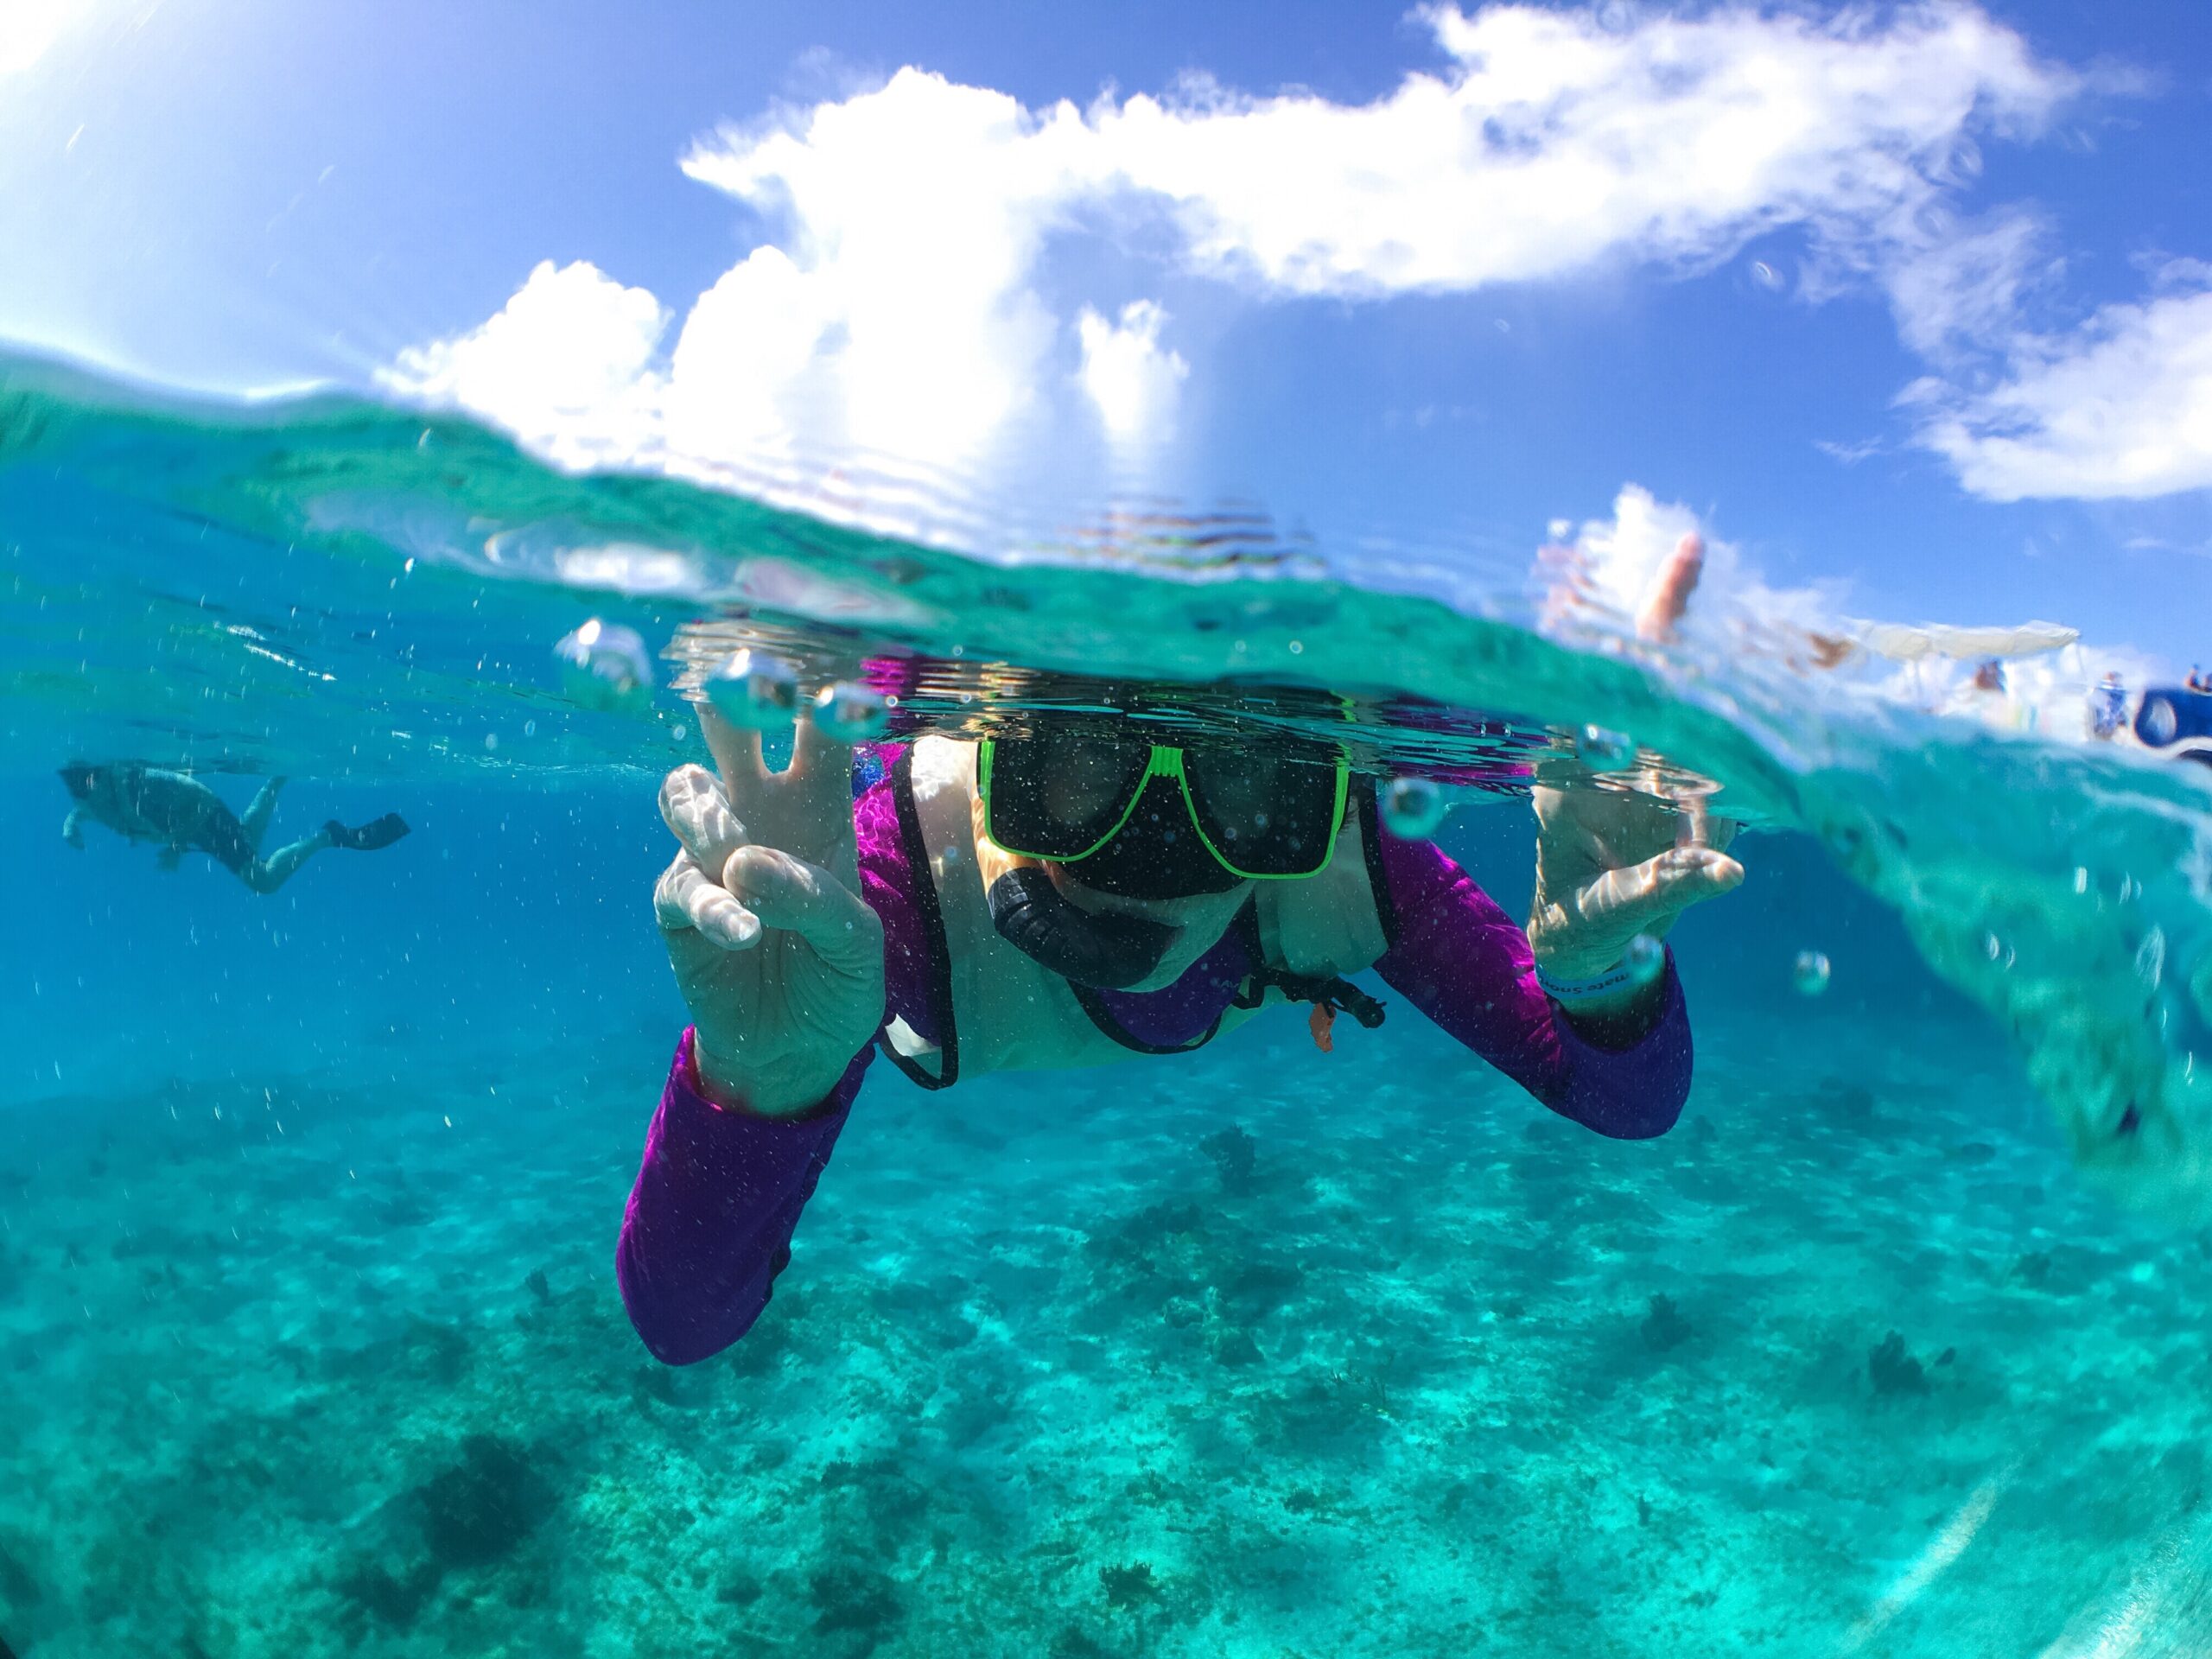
(1136, 819)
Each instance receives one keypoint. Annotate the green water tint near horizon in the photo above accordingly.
(350, 589)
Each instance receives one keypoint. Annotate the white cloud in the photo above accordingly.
(1954, 287)
(911, 218)
(744, 349)
(1850, 453)
(2122, 408)
(28, 28)
(568, 361)
(1553, 141)
(1133, 382)
(898, 313)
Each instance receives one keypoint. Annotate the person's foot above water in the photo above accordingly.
(370, 836)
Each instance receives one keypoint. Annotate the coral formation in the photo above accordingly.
(1663, 1326)
(1039, 1381)
(1894, 1371)
(1234, 1152)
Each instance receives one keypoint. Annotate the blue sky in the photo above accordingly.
(1947, 339)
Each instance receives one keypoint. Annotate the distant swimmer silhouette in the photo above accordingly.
(142, 803)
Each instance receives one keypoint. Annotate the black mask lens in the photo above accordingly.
(1266, 814)
(1058, 793)
(1157, 854)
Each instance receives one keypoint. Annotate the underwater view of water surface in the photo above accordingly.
(1241, 832)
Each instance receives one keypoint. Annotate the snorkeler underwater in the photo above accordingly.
(1159, 831)
(147, 803)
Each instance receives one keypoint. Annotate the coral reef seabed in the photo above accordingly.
(1255, 1352)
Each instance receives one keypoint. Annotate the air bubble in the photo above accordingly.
(1602, 749)
(1810, 976)
(1413, 808)
(755, 689)
(529, 728)
(1645, 959)
(491, 740)
(604, 665)
(848, 712)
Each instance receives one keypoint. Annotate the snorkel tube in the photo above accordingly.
(1107, 953)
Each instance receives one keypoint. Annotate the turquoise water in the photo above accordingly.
(308, 1204)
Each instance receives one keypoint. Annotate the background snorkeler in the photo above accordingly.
(1165, 894)
(142, 803)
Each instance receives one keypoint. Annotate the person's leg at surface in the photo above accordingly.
(256, 822)
(273, 872)
(265, 875)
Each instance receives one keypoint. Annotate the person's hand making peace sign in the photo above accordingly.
(780, 958)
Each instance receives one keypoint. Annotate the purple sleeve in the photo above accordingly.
(1460, 959)
(711, 1217)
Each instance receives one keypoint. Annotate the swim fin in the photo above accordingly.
(370, 836)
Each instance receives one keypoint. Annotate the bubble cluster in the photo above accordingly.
(752, 688)
(1604, 750)
(1810, 974)
(604, 665)
(848, 712)
(1414, 808)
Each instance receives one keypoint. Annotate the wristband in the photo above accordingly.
(1641, 963)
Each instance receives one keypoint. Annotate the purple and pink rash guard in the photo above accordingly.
(711, 1217)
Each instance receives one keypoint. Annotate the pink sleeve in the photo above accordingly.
(1460, 959)
(711, 1217)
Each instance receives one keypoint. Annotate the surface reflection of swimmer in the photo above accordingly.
(1081, 894)
(183, 815)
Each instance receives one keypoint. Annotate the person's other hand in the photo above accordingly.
(1612, 865)
(1667, 598)
(777, 954)
(72, 834)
